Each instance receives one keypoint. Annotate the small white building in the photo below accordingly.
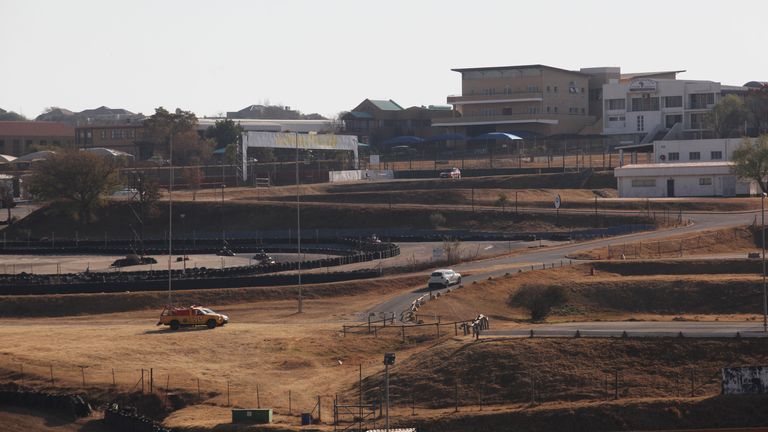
(681, 180)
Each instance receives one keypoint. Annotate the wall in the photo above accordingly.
(356, 175)
(685, 186)
(705, 147)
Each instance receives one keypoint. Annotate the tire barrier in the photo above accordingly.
(126, 419)
(71, 406)
(199, 277)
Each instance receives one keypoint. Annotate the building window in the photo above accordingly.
(694, 156)
(103, 134)
(716, 155)
(555, 89)
(56, 142)
(645, 104)
(43, 142)
(701, 100)
(643, 182)
(698, 120)
(617, 104)
(640, 123)
(674, 156)
(671, 120)
(582, 110)
(548, 109)
(548, 89)
(2, 145)
(705, 181)
(673, 102)
(555, 108)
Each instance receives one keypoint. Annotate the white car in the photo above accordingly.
(443, 278)
(452, 173)
(125, 192)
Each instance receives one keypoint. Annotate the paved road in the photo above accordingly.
(556, 255)
(639, 329)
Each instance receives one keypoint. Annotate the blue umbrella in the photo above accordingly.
(407, 139)
(447, 137)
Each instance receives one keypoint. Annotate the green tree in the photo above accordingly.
(230, 154)
(751, 160)
(728, 117)
(188, 146)
(225, 132)
(263, 154)
(502, 201)
(11, 116)
(757, 104)
(77, 178)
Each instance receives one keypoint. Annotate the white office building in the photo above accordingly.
(684, 179)
(654, 107)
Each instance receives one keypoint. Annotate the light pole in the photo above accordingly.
(170, 211)
(762, 241)
(298, 221)
(389, 359)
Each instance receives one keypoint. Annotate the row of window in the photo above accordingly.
(639, 183)
(647, 103)
(16, 148)
(713, 155)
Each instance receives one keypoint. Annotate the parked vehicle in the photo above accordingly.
(125, 192)
(443, 278)
(191, 316)
(451, 173)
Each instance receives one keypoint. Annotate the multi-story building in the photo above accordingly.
(126, 137)
(375, 121)
(649, 107)
(18, 138)
(525, 100)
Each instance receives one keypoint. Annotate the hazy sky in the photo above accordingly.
(327, 56)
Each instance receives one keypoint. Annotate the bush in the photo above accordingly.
(539, 299)
(436, 220)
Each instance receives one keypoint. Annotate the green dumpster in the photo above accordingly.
(255, 416)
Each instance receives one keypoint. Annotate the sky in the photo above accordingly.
(211, 57)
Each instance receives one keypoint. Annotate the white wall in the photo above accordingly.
(685, 186)
(704, 147)
(356, 175)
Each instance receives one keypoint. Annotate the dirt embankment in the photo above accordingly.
(116, 220)
(617, 290)
(566, 370)
(740, 239)
(86, 304)
(700, 414)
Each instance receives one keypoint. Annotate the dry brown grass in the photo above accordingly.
(709, 242)
(608, 296)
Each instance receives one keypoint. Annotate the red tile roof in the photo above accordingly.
(35, 129)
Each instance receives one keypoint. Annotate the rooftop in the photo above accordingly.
(386, 105)
(533, 66)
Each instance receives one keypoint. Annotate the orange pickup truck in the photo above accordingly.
(177, 317)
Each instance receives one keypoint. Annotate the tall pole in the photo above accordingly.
(170, 209)
(386, 397)
(762, 241)
(298, 220)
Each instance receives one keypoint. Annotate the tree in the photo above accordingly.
(230, 154)
(74, 177)
(757, 104)
(539, 299)
(225, 132)
(728, 117)
(6, 199)
(751, 160)
(502, 201)
(193, 176)
(188, 146)
(11, 116)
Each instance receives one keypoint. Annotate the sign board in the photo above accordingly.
(374, 159)
(438, 253)
(642, 85)
(557, 201)
(745, 380)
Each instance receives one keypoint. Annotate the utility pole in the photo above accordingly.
(298, 222)
(170, 211)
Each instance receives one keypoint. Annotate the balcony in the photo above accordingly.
(496, 98)
(540, 118)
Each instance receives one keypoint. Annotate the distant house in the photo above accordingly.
(21, 137)
(272, 112)
(375, 121)
(99, 116)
